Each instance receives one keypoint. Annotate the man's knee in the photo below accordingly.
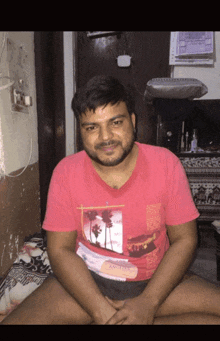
(48, 304)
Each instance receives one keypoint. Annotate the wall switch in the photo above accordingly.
(27, 101)
(18, 65)
(20, 100)
(124, 61)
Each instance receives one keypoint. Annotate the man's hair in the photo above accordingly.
(101, 91)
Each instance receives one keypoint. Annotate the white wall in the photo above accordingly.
(18, 129)
(210, 76)
(69, 40)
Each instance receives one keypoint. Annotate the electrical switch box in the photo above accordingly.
(19, 73)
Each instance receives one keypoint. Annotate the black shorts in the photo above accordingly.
(118, 290)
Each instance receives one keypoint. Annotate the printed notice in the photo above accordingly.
(191, 48)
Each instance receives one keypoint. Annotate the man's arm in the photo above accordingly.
(75, 277)
(183, 242)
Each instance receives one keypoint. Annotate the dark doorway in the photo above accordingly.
(49, 66)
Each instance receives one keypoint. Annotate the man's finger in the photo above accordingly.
(118, 317)
(117, 305)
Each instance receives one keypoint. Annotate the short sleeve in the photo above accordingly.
(180, 207)
(59, 213)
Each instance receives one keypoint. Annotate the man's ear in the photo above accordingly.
(133, 120)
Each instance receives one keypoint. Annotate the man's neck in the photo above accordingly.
(116, 176)
(125, 165)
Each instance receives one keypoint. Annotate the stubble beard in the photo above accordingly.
(109, 162)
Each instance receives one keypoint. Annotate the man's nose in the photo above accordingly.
(105, 133)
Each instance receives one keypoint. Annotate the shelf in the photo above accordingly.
(201, 154)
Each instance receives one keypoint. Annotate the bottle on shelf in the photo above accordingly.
(182, 142)
(194, 141)
(187, 142)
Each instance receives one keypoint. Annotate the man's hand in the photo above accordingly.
(132, 311)
(104, 313)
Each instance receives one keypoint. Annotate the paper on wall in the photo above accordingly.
(191, 48)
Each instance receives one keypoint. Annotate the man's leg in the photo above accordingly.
(187, 319)
(48, 304)
(193, 300)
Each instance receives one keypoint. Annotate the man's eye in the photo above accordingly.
(90, 128)
(117, 123)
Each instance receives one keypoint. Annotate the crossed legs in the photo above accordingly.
(193, 301)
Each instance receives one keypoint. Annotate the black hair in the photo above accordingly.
(101, 91)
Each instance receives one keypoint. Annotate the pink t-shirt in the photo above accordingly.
(121, 232)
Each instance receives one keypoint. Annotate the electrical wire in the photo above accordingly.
(6, 85)
(2, 50)
(15, 176)
(3, 46)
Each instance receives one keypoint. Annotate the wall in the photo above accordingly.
(209, 75)
(19, 193)
(69, 45)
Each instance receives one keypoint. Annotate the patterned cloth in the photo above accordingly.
(27, 273)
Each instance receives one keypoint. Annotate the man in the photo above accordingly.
(121, 228)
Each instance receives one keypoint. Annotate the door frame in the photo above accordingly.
(50, 95)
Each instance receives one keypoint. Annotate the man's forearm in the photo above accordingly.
(75, 277)
(169, 272)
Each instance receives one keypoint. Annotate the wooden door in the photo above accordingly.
(150, 59)
(50, 106)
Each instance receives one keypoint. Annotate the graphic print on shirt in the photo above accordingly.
(103, 227)
(141, 245)
(144, 244)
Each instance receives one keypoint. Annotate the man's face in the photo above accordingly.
(108, 133)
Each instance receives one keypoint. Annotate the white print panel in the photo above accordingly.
(108, 267)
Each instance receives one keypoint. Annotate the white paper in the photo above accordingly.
(191, 48)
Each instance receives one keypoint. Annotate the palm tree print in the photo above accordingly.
(91, 215)
(96, 229)
(106, 217)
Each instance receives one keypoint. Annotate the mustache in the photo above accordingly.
(107, 144)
